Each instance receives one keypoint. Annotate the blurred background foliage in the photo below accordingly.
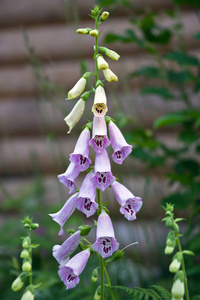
(173, 76)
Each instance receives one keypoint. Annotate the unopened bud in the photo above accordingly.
(109, 75)
(29, 293)
(24, 254)
(97, 295)
(26, 267)
(94, 32)
(169, 250)
(104, 16)
(176, 262)
(110, 53)
(83, 31)
(34, 225)
(175, 227)
(17, 284)
(26, 242)
(94, 277)
(102, 64)
(178, 289)
(169, 222)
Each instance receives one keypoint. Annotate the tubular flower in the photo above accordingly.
(86, 197)
(109, 75)
(81, 151)
(79, 86)
(99, 139)
(102, 64)
(178, 288)
(75, 115)
(69, 273)
(62, 252)
(68, 178)
(130, 204)
(120, 147)
(110, 53)
(83, 31)
(99, 107)
(105, 243)
(64, 213)
(102, 169)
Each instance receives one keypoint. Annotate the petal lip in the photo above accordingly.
(68, 178)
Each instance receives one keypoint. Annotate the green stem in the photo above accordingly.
(30, 255)
(109, 284)
(96, 52)
(102, 277)
(183, 268)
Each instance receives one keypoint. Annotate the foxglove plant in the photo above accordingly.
(99, 175)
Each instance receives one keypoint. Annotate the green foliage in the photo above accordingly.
(154, 292)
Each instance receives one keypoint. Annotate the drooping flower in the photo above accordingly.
(64, 213)
(104, 16)
(62, 252)
(109, 75)
(103, 176)
(99, 139)
(29, 293)
(105, 243)
(69, 273)
(68, 178)
(75, 115)
(178, 288)
(99, 107)
(86, 197)
(83, 31)
(80, 156)
(18, 282)
(79, 86)
(130, 204)
(102, 63)
(110, 53)
(94, 33)
(176, 262)
(120, 147)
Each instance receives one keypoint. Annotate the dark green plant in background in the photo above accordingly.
(174, 76)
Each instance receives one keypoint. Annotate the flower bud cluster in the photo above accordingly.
(26, 255)
(178, 287)
(97, 135)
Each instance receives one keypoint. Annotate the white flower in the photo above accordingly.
(27, 296)
(94, 32)
(17, 284)
(174, 266)
(75, 115)
(99, 107)
(109, 75)
(102, 64)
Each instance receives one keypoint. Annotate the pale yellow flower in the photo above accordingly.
(109, 75)
(75, 115)
(99, 107)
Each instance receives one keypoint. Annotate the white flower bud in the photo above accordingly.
(26, 267)
(104, 16)
(99, 107)
(178, 289)
(28, 296)
(169, 250)
(83, 31)
(77, 89)
(17, 284)
(174, 266)
(110, 53)
(102, 64)
(109, 75)
(75, 115)
(24, 254)
(94, 33)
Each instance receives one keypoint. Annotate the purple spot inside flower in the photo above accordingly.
(105, 244)
(82, 160)
(99, 141)
(102, 177)
(118, 155)
(71, 276)
(87, 204)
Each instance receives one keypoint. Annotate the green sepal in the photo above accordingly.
(86, 75)
(35, 245)
(88, 125)
(188, 252)
(85, 229)
(99, 82)
(108, 119)
(179, 219)
(117, 256)
(85, 96)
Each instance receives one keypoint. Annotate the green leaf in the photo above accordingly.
(180, 200)
(188, 252)
(170, 120)
(180, 77)
(129, 37)
(188, 135)
(148, 72)
(35, 245)
(182, 58)
(195, 3)
(179, 219)
(159, 91)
